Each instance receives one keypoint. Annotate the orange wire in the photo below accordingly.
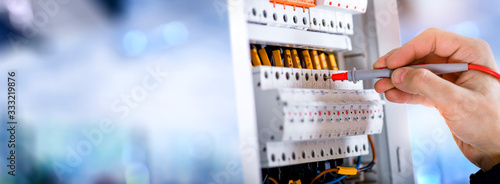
(335, 169)
(272, 179)
(485, 70)
(373, 148)
(322, 173)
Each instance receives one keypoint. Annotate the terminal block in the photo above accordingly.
(324, 16)
(307, 125)
(277, 154)
(312, 114)
(269, 77)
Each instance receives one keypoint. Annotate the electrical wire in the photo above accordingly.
(342, 177)
(265, 179)
(365, 168)
(337, 180)
(374, 152)
(272, 179)
(485, 70)
(323, 173)
(335, 170)
(323, 178)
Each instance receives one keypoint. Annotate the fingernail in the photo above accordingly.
(377, 65)
(399, 75)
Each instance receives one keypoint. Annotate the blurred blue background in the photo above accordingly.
(439, 160)
(120, 91)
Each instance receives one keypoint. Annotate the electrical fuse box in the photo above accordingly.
(296, 116)
(276, 154)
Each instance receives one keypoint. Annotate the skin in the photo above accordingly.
(469, 101)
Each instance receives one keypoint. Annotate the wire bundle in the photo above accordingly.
(363, 169)
(372, 163)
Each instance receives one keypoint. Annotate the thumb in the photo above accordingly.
(425, 83)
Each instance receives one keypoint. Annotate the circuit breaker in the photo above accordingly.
(298, 123)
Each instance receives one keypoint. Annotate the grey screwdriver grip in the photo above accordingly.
(443, 68)
(356, 75)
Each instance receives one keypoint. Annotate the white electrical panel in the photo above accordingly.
(286, 153)
(267, 77)
(263, 15)
(292, 121)
(325, 15)
(302, 116)
(297, 107)
(278, 36)
(349, 6)
(307, 114)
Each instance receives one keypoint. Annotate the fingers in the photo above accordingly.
(436, 43)
(380, 63)
(452, 77)
(397, 96)
(422, 82)
(383, 85)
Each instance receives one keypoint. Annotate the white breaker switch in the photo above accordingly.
(308, 125)
(276, 154)
(328, 16)
(310, 114)
(348, 6)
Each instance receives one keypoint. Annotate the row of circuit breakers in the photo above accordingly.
(317, 15)
(302, 116)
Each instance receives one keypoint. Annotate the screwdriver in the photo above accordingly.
(355, 75)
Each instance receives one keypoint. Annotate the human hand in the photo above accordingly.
(469, 101)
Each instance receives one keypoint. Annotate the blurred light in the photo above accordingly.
(134, 42)
(466, 28)
(18, 7)
(137, 174)
(429, 174)
(201, 146)
(132, 154)
(20, 13)
(175, 33)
